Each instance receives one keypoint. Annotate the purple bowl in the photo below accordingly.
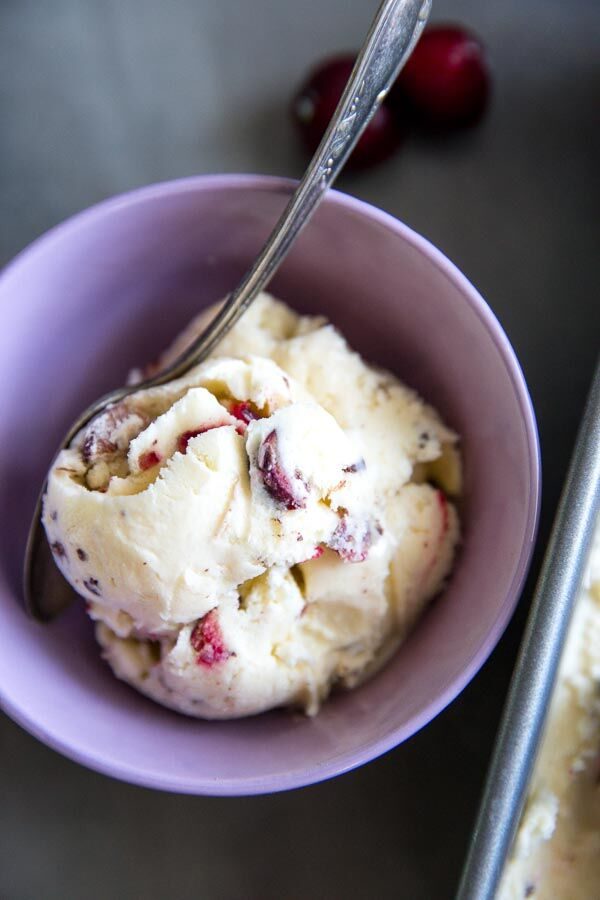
(107, 290)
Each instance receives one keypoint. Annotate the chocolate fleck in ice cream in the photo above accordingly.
(262, 529)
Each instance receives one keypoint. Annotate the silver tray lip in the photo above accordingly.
(522, 724)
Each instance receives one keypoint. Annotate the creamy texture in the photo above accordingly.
(557, 850)
(262, 529)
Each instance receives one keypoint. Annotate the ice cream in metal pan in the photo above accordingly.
(556, 855)
(537, 832)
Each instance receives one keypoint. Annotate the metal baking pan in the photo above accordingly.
(524, 716)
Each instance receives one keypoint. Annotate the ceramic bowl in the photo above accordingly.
(107, 290)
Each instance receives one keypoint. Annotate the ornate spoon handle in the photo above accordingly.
(391, 38)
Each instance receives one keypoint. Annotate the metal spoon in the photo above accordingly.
(391, 38)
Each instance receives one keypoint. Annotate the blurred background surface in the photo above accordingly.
(100, 96)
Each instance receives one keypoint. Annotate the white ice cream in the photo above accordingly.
(262, 529)
(557, 850)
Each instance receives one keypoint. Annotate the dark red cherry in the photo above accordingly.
(315, 103)
(446, 82)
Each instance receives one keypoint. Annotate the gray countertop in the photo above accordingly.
(99, 96)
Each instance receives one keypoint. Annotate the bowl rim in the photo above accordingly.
(351, 759)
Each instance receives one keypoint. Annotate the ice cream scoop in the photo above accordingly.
(264, 528)
(391, 38)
